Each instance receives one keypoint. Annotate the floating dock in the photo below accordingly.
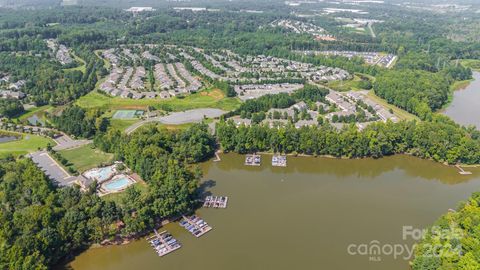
(163, 243)
(195, 225)
(279, 161)
(253, 160)
(215, 202)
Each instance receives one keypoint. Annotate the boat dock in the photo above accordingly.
(279, 161)
(195, 225)
(215, 202)
(217, 157)
(163, 243)
(252, 160)
(462, 171)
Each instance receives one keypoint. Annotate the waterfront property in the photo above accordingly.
(215, 202)
(195, 225)
(340, 192)
(279, 161)
(252, 160)
(163, 243)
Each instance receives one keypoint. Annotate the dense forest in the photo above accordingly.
(10, 108)
(80, 123)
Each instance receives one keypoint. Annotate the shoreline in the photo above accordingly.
(358, 158)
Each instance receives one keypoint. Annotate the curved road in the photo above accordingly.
(177, 118)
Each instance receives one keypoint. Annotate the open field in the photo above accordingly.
(212, 99)
(400, 113)
(85, 157)
(122, 124)
(28, 143)
(343, 86)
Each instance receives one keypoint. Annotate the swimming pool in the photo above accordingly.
(117, 183)
(100, 174)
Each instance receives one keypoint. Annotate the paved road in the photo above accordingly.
(52, 169)
(177, 118)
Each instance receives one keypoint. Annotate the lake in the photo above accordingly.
(305, 216)
(465, 107)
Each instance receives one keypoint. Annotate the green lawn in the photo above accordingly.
(118, 197)
(400, 113)
(86, 157)
(29, 143)
(122, 124)
(206, 98)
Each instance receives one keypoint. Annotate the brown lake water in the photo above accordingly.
(465, 107)
(305, 216)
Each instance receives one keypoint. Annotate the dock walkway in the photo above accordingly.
(462, 171)
(215, 202)
(163, 243)
(195, 225)
(279, 161)
(253, 160)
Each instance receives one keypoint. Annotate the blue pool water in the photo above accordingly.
(116, 184)
(101, 174)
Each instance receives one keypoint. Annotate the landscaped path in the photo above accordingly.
(177, 118)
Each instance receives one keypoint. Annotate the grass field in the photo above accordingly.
(343, 86)
(401, 114)
(85, 157)
(122, 124)
(28, 143)
(212, 98)
(98, 53)
(118, 197)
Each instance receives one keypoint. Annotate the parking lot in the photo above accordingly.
(52, 169)
(65, 142)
